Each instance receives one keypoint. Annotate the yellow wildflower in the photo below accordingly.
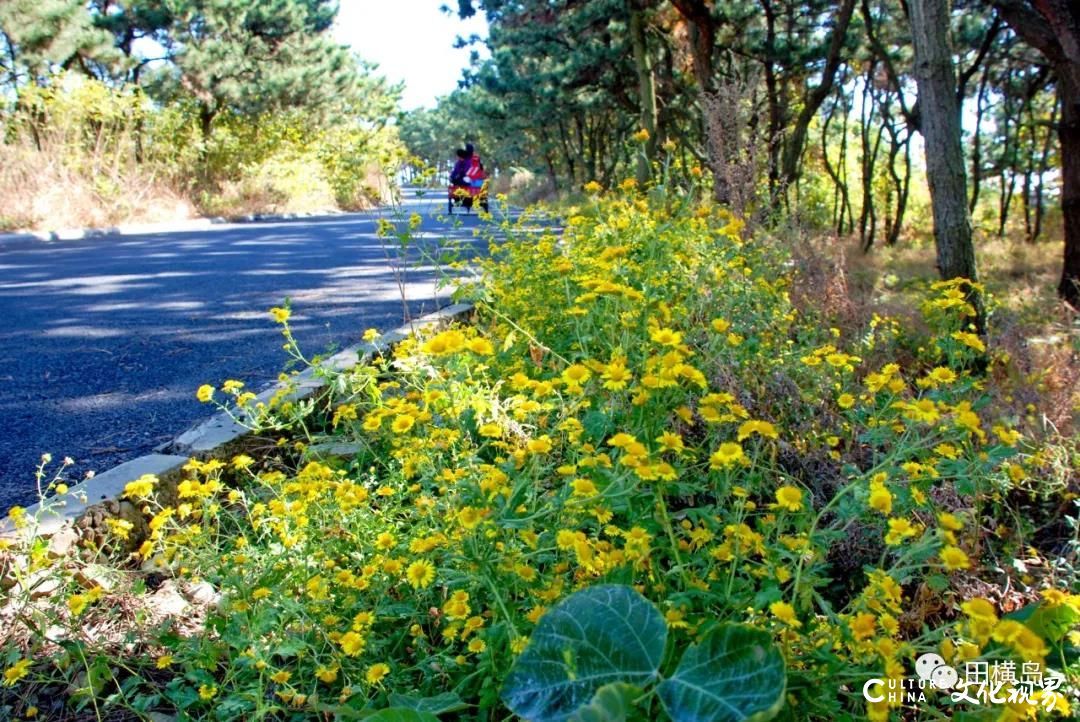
(665, 337)
(376, 672)
(402, 424)
(141, 487)
(1028, 645)
(616, 376)
(76, 603)
(352, 643)
(762, 428)
(789, 497)
(954, 558)
(785, 613)
(950, 521)
(728, 454)
(420, 573)
(881, 498)
(584, 487)
(16, 672)
(899, 531)
(862, 626)
(970, 340)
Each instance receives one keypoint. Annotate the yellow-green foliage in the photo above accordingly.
(298, 163)
(113, 156)
(71, 156)
(638, 402)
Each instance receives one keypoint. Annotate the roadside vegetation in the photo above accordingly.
(144, 112)
(651, 404)
(758, 399)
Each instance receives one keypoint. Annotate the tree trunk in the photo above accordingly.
(796, 140)
(206, 126)
(900, 184)
(568, 154)
(774, 103)
(553, 176)
(703, 38)
(976, 142)
(1044, 166)
(843, 174)
(1069, 138)
(840, 189)
(1053, 28)
(905, 192)
(646, 88)
(1029, 170)
(936, 78)
(867, 220)
(1008, 176)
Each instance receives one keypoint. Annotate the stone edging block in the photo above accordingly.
(88, 503)
(57, 512)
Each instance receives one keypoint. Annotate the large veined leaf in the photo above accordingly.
(600, 635)
(401, 714)
(611, 703)
(392, 714)
(734, 673)
(438, 704)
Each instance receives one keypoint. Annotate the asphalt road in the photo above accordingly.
(104, 341)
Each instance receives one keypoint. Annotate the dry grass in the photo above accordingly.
(51, 189)
(38, 191)
(525, 188)
(1040, 382)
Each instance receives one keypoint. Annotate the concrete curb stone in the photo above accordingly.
(91, 495)
(88, 503)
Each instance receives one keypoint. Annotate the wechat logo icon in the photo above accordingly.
(932, 668)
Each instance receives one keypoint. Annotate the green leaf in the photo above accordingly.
(401, 714)
(439, 704)
(596, 425)
(603, 634)
(1050, 623)
(937, 582)
(611, 703)
(290, 648)
(734, 673)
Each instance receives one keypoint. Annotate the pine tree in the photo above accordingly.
(253, 57)
(1053, 28)
(40, 36)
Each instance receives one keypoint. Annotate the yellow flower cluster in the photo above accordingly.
(638, 400)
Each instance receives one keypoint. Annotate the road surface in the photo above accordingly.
(104, 341)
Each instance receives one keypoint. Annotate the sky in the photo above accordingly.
(412, 41)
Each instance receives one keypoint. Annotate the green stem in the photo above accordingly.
(510, 321)
(661, 506)
(502, 608)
